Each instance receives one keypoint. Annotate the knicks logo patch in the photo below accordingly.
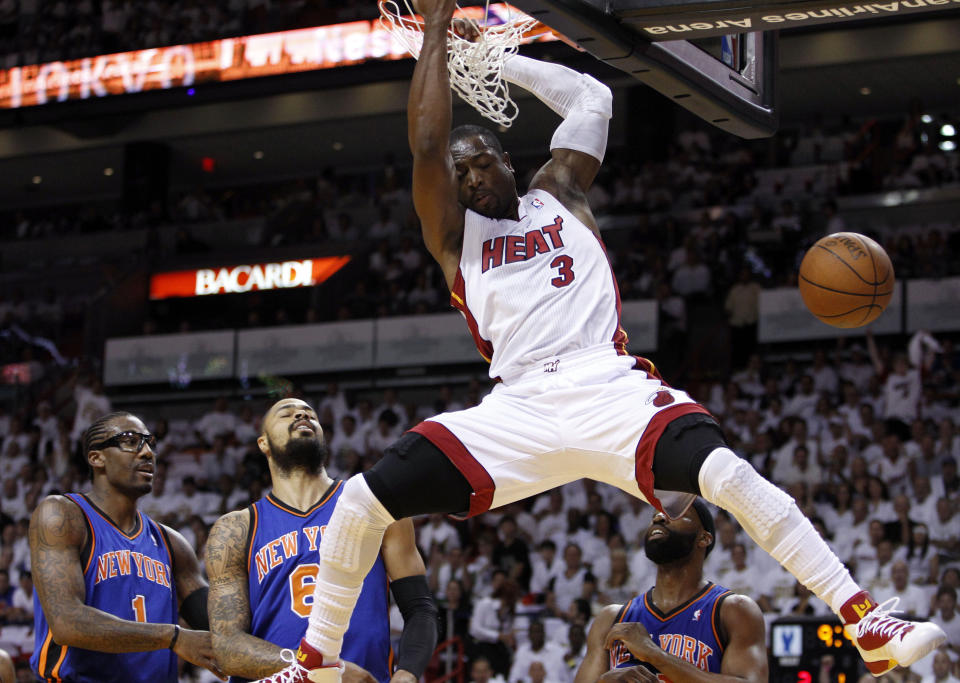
(660, 398)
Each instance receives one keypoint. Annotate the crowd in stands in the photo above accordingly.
(706, 223)
(865, 438)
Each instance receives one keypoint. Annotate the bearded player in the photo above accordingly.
(262, 562)
(531, 277)
(685, 628)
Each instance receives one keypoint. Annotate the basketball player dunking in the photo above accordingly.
(684, 628)
(112, 584)
(262, 562)
(531, 277)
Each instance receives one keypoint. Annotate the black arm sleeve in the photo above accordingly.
(193, 609)
(420, 624)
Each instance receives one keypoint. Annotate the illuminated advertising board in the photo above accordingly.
(243, 277)
(229, 59)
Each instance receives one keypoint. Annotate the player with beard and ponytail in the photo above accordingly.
(685, 628)
(262, 562)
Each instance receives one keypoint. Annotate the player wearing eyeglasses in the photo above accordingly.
(112, 584)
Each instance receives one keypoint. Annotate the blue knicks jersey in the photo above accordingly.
(128, 576)
(282, 568)
(691, 631)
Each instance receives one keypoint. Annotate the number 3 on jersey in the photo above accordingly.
(302, 580)
(565, 273)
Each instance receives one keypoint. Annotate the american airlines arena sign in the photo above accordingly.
(230, 59)
(242, 278)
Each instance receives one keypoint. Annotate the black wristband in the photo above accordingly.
(176, 634)
(193, 609)
(420, 624)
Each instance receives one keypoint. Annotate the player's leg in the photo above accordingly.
(692, 456)
(453, 463)
(414, 477)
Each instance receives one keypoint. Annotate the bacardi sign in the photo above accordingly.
(243, 277)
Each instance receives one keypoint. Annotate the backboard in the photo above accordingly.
(717, 58)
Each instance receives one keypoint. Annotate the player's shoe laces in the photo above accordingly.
(885, 641)
(305, 666)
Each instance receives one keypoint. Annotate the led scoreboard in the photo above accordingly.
(798, 644)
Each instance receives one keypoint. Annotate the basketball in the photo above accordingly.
(846, 280)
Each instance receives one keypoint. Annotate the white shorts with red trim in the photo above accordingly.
(584, 415)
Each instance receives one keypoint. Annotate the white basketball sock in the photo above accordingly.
(348, 549)
(774, 521)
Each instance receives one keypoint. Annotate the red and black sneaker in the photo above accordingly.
(885, 641)
(305, 665)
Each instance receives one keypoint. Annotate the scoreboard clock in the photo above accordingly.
(798, 644)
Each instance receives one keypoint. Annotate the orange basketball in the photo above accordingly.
(846, 279)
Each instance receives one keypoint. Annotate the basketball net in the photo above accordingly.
(476, 68)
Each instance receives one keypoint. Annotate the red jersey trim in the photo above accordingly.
(458, 299)
(620, 338)
(643, 461)
(476, 474)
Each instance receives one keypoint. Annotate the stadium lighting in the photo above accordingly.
(926, 118)
(108, 171)
(947, 130)
(948, 145)
(258, 154)
(36, 180)
(865, 90)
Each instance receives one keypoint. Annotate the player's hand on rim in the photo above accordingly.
(630, 674)
(466, 29)
(634, 637)
(196, 647)
(435, 11)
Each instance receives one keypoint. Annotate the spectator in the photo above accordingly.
(218, 422)
(742, 306)
(538, 650)
(482, 672)
(913, 598)
(511, 552)
(945, 616)
(568, 584)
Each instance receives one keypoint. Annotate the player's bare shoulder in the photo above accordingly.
(57, 522)
(561, 181)
(742, 618)
(227, 542)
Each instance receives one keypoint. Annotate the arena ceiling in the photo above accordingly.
(828, 71)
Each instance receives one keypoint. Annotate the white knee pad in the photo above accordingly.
(351, 541)
(730, 482)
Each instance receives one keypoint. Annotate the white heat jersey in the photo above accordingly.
(537, 288)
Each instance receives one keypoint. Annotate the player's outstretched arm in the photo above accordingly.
(238, 652)
(408, 583)
(744, 658)
(586, 105)
(429, 116)
(58, 531)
